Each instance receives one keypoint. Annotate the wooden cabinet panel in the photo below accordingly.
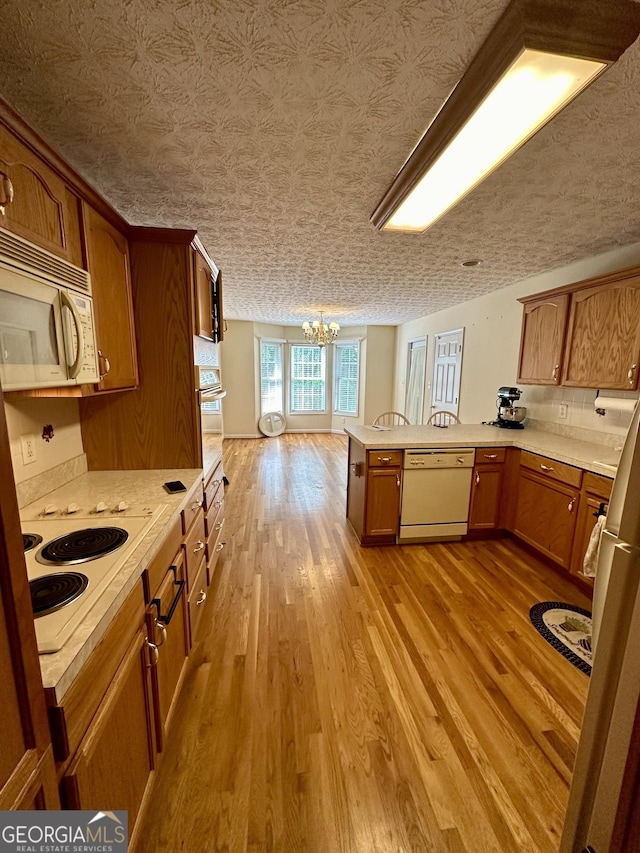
(603, 336)
(167, 627)
(383, 502)
(546, 515)
(109, 264)
(543, 331)
(486, 491)
(202, 282)
(114, 760)
(43, 209)
(551, 468)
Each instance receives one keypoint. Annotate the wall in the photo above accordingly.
(492, 343)
(240, 365)
(57, 460)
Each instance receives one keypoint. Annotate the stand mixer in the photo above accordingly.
(509, 416)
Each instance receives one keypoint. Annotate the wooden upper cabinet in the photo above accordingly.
(202, 282)
(218, 319)
(541, 345)
(107, 251)
(603, 336)
(42, 208)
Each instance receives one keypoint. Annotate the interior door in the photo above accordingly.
(416, 366)
(447, 368)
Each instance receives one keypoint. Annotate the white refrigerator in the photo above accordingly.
(614, 689)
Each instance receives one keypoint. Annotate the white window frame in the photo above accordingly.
(280, 344)
(291, 378)
(337, 377)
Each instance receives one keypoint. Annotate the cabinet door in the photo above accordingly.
(603, 336)
(202, 277)
(486, 490)
(109, 265)
(113, 762)
(167, 625)
(218, 319)
(383, 502)
(541, 344)
(546, 516)
(43, 209)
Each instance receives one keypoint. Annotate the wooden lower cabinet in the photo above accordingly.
(486, 489)
(383, 502)
(594, 498)
(373, 494)
(111, 767)
(546, 515)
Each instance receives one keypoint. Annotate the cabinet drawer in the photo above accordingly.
(552, 469)
(213, 487)
(384, 458)
(490, 455)
(190, 513)
(194, 549)
(155, 572)
(598, 485)
(196, 601)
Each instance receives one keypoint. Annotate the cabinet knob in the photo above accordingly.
(570, 505)
(398, 480)
(196, 505)
(199, 547)
(6, 192)
(219, 547)
(154, 654)
(219, 525)
(631, 374)
(477, 478)
(555, 372)
(202, 597)
(104, 365)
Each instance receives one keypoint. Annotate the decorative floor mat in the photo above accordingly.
(567, 628)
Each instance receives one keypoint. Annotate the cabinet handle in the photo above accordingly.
(154, 654)
(104, 365)
(219, 525)
(162, 631)
(199, 548)
(547, 467)
(218, 504)
(196, 505)
(631, 373)
(219, 547)
(158, 603)
(477, 478)
(490, 455)
(202, 597)
(555, 373)
(384, 458)
(6, 192)
(398, 480)
(570, 505)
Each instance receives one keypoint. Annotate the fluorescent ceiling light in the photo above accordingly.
(540, 55)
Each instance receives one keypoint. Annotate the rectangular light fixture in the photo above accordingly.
(540, 55)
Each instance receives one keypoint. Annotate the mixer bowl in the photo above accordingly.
(513, 413)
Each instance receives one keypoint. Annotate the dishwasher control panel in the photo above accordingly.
(438, 458)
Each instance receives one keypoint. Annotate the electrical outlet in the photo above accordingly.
(28, 445)
(563, 410)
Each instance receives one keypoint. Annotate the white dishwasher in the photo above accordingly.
(436, 486)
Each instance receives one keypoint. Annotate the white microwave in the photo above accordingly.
(47, 335)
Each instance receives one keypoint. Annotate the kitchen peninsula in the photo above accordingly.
(543, 487)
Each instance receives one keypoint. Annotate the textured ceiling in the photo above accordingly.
(275, 126)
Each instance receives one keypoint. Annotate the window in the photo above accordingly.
(271, 378)
(308, 392)
(346, 371)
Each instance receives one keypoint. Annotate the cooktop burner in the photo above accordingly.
(30, 540)
(80, 546)
(51, 592)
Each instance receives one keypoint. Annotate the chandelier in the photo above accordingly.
(319, 332)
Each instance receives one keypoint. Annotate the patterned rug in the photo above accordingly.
(567, 628)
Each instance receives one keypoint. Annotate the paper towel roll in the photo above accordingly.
(614, 404)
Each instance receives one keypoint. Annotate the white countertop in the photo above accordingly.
(135, 487)
(590, 456)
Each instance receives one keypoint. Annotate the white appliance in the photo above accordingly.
(47, 336)
(614, 689)
(72, 573)
(436, 486)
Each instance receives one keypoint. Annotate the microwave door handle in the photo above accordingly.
(68, 302)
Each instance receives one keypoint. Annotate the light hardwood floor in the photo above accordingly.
(351, 700)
